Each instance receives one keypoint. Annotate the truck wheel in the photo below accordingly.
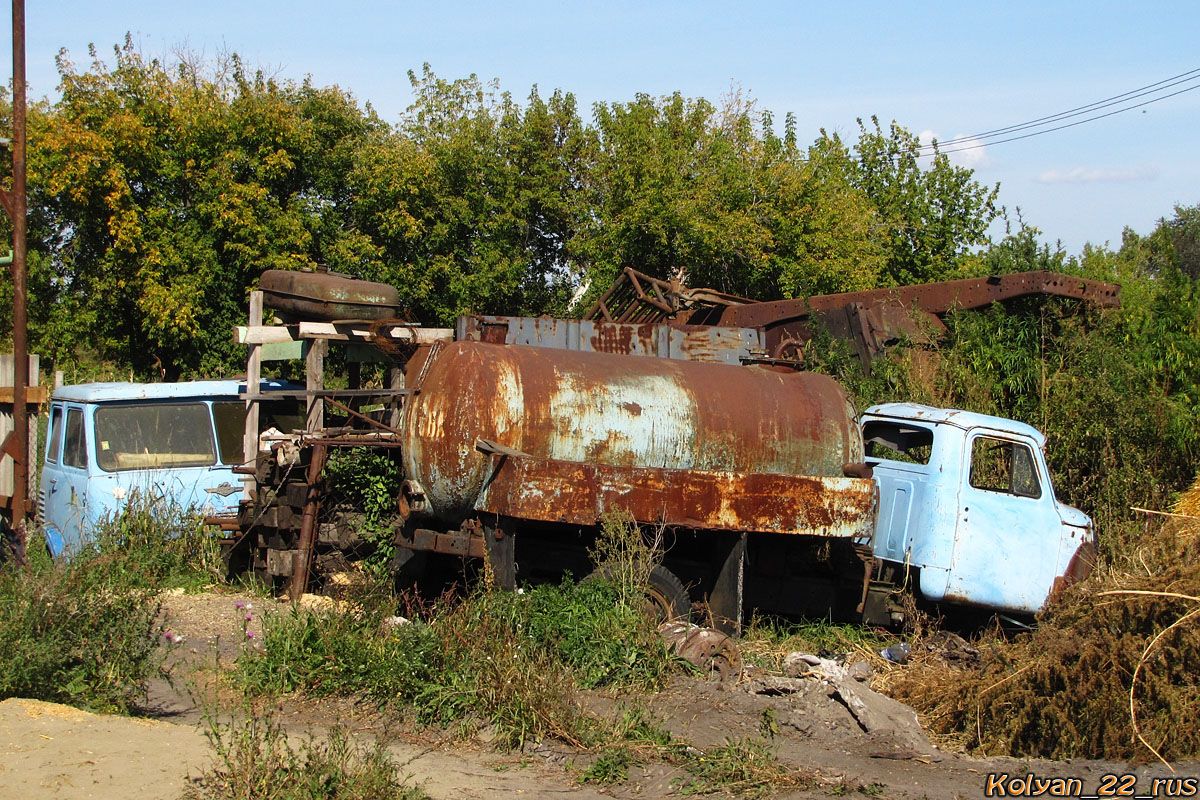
(666, 597)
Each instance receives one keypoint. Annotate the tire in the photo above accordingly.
(667, 598)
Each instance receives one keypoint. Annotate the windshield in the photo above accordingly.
(154, 435)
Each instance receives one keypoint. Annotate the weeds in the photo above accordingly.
(367, 481)
(255, 761)
(157, 544)
(79, 632)
(511, 660)
(745, 768)
(768, 640)
(1067, 689)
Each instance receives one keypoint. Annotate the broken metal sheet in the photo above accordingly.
(688, 343)
(576, 493)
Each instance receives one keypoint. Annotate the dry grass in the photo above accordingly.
(1113, 670)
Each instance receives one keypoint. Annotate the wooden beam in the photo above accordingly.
(33, 394)
(335, 331)
(253, 375)
(314, 368)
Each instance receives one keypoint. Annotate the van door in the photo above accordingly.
(1006, 541)
(64, 477)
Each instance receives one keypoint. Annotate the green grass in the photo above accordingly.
(510, 660)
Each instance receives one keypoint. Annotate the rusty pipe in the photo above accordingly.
(308, 525)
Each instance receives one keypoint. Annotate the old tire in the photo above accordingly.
(666, 597)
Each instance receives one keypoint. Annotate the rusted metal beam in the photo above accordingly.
(373, 422)
(579, 494)
(934, 298)
(308, 524)
(15, 205)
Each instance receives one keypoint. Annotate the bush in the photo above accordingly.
(77, 632)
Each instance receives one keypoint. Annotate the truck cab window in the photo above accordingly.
(154, 436)
(56, 422)
(894, 441)
(75, 452)
(1000, 466)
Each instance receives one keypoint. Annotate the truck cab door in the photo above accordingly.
(64, 478)
(1007, 539)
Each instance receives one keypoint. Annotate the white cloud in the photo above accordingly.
(963, 150)
(1098, 175)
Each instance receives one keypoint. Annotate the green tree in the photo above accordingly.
(158, 196)
(933, 214)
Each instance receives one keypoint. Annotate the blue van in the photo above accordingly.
(179, 441)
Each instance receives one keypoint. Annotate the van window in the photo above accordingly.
(154, 435)
(1000, 466)
(75, 452)
(52, 450)
(895, 441)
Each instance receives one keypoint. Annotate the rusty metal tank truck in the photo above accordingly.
(517, 435)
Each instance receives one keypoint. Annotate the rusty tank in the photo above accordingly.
(613, 410)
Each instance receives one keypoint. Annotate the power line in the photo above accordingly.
(1098, 104)
(1108, 102)
(1068, 125)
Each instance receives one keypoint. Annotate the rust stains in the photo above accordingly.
(579, 494)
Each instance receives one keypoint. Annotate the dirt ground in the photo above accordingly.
(51, 751)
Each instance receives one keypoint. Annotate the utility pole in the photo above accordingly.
(15, 204)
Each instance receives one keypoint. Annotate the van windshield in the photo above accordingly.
(154, 435)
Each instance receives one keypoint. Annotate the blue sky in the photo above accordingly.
(946, 68)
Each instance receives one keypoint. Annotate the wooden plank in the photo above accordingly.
(345, 331)
(302, 394)
(6, 425)
(34, 395)
(314, 368)
(253, 375)
(264, 334)
(282, 351)
(335, 331)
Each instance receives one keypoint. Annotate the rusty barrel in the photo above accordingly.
(615, 410)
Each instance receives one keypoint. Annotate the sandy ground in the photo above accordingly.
(49, 751)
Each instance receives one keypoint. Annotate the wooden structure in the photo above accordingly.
(36, 395)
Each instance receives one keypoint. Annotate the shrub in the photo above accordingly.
(77, 632)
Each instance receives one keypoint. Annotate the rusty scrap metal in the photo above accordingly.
(357, 415)
(711, 650)
(308, 525)
(873, 318)
(610, 410)
(933, 298)
(638, 297)
(690, 343)
(327, 296)
(580, 494)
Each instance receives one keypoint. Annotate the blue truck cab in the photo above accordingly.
(105, 441)
(966, 505)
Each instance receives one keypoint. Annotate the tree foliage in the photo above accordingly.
(159, 192)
